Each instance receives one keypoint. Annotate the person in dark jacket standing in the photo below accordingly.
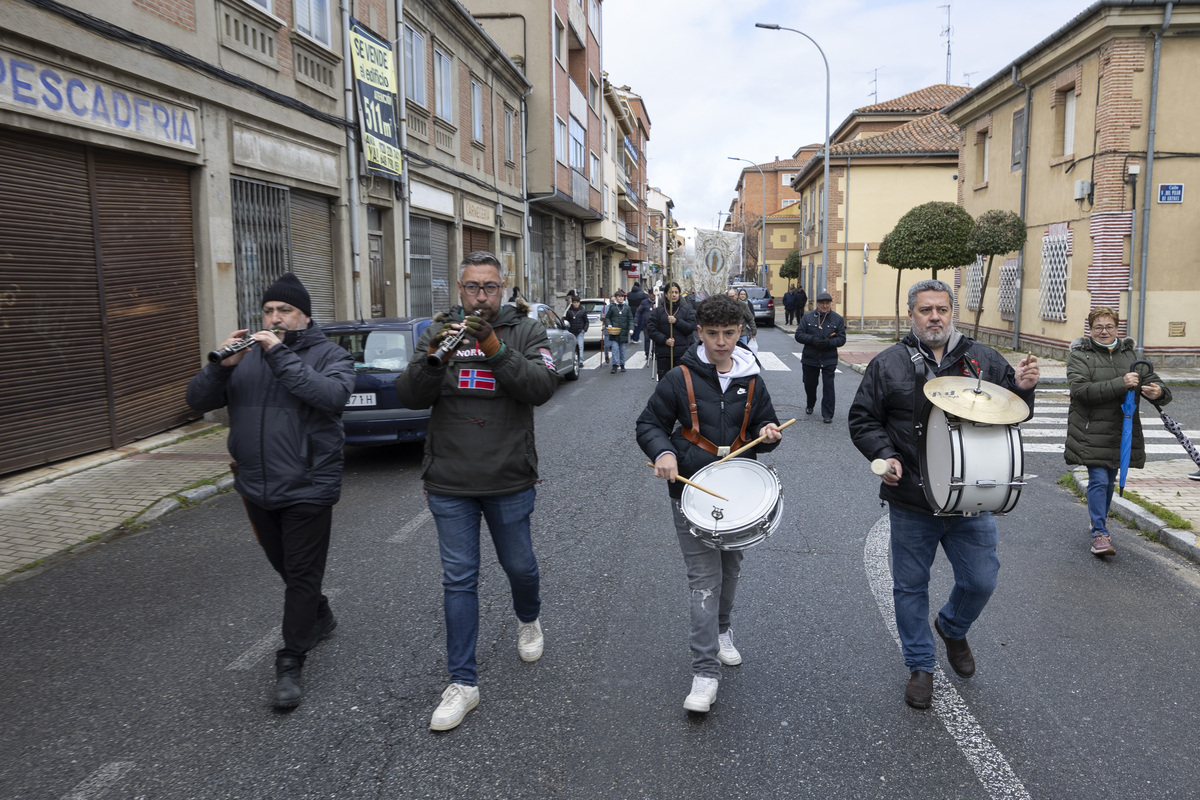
(576, 316)
(640, 319)
(789, 304)
(882, 415)
(481, 461)
(672, 326)
(822, 332)
(285, 398)
(636, 295)
(618, 322)
(724, 376)
(1100, 372)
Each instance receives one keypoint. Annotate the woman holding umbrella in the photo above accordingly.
(1101, 374)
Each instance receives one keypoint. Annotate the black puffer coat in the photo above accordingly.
(682, 330)
(881, 416)
(821, 334)
(660, 425)
(285, 418)
(1096, 378)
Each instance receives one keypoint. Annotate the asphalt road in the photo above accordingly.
(143, 668)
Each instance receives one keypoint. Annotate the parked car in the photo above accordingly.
(762, 303)
(562, 341)
(381, 349)
(595, 308)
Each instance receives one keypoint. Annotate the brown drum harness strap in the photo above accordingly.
(693, 434)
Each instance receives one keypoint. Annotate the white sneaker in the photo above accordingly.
(728, 654)
(529, 640)
(457, 700)
(704, 694)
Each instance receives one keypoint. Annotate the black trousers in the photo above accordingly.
(296, 541)
(811, 375)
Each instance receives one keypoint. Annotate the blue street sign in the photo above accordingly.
(1170, 193)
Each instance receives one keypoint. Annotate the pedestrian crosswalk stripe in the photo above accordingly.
(772, 362)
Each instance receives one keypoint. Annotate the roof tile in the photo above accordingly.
(923, 101)
(933, 133)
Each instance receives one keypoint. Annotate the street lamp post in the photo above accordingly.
(825, 199)
(762, 236)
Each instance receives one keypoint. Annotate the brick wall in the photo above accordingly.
(1117, 113)
(177, 12)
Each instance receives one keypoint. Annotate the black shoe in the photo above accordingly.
(614, 370)
(827, 420)
(918, 693)
(287, 682)
(325, 626)
(808, 411)
(622, 368)
(958, 652)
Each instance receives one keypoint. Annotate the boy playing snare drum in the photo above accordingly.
(720, 380)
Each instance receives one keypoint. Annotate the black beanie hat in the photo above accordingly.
(288, 289)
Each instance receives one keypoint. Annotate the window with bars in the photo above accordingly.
(974, 283)
(1006, 300)
(1056, 257)
(560, 256)
(262, 233)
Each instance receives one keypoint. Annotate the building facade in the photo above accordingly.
(1062, 136)
(769, 183)
(884, 159)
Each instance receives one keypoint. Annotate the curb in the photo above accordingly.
(1185, 543)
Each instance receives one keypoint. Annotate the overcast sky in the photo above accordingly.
(716, 86)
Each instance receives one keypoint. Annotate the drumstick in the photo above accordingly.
(881, 467)
(748, 445)
(694, 485)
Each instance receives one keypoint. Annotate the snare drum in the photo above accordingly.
(968, 467)
(751, 514)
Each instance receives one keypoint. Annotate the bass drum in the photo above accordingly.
(970, 467)
(750, 515)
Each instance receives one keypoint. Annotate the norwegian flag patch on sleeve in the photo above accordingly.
(477, 379)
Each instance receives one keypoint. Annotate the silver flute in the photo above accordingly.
(448, 346)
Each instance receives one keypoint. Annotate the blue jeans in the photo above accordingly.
(579, 344)
(457, 520)
(712, 580)
(618, 352)
(1099, 497)
(970, 546)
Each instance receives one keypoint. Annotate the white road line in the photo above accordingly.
(594, 362)
(772, 362)
(268, 644)
(420, 519)
(1151, 449)
(96, 785)
(1062, 431)
(990, 766)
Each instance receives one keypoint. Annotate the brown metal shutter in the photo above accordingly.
(476, 239)
(53, 394)
(312, 251)
(144, 209)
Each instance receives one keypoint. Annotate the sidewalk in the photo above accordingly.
(50, 512)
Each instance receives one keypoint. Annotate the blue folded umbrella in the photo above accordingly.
(1128, 408)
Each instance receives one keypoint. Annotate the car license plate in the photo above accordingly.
(362, 399)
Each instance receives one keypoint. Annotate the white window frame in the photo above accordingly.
(476, 112)
(509, 118)
(561, 141)
(785, 178)
(443, 85)
(578, 143)
(560, 41)
(1068, 142)
(309, 10)
(788, 201)
(604, 200)
(595, 167)
(414, 65)
(265, 5)
(594, 17)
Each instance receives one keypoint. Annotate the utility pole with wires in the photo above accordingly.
(947, 32)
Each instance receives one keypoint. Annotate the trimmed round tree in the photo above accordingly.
(790, 268)
(930, 236)
(996, 232)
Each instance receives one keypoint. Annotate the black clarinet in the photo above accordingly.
(217, 356)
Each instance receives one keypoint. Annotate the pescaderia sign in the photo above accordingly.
(375, 79)
(50, 92)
